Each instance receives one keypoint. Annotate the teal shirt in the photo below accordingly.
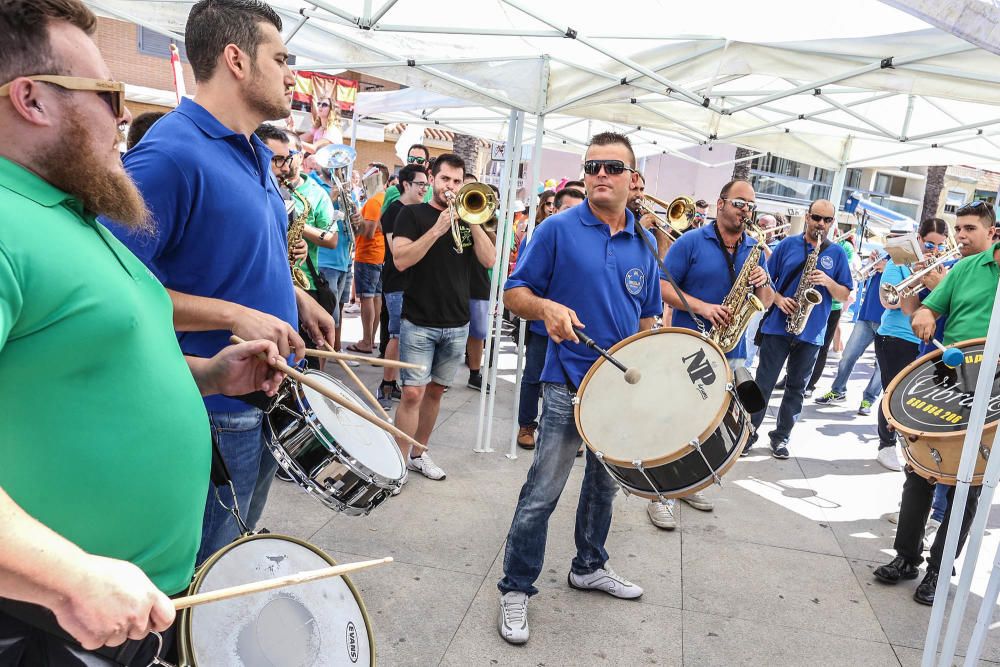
(320, 217)
(966, 296)
(895, 322)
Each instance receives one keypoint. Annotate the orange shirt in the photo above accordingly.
(372, 251)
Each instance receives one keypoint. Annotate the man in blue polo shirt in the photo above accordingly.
(220, 244)
(705, 264)
(832, 279)
(584, 267)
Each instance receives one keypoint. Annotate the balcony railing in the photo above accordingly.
(788, 188)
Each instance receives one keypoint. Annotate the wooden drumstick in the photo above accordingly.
(310, 382)
(374, 361)
(361, 385)
(277, 582)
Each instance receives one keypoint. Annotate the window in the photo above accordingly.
(154, 44)
(890, 185)
(955, 199)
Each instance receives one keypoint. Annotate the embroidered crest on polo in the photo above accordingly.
(634, 281)
(826, 262)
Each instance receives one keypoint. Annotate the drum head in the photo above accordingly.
(682, 395)
(318, 624)
(368, 444)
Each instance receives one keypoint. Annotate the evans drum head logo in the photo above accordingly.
(352, 641)
(634, 280)
(699, 371)
(826, 262)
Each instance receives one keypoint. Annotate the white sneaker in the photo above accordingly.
(930, 530)
(662, 514)
(425, 466)
(514, 617)
(888, 458)
(603, 579)
(893, 517)
(402, 483)
(698, 501)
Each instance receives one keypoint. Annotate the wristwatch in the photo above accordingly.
(323, 235)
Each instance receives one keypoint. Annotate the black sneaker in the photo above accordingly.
(476, 381)
(898, 569)
(384, 396)
(396, 394)
(779, 449)
(925, 591)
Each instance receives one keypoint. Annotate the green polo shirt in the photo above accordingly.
(966, 295)
(104, 436)
(321, 212)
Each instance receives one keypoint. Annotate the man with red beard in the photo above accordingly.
(104, 440)
(220, 245)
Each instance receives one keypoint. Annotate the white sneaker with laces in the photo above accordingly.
(402, 483)
(888, 458)
(662, 514)
(513, 624)
(698, 501)
(425, 466)
(605, 580)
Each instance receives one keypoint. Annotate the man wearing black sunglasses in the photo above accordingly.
(419, 156)
(584, 267)
(832, 279)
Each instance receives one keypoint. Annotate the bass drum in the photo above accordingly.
(319, 624)
(928, 404)
(677, 430)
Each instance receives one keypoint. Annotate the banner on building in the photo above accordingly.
(313, 86)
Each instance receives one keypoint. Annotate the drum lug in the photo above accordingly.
(599, 455)
(730, 387)
(575, 400)
(696, 443)
(984, 451)
(638, 466)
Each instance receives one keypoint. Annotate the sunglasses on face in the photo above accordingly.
(323, 104)
(935, 246)
(415, 159)
(112, 92)
(741, 204)
(817, 218)
(611, 167)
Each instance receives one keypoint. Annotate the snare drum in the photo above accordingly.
(678, 429)
(318, 624)
(928, 404)
(351, 465)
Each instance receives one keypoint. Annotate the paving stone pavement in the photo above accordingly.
(778, 574)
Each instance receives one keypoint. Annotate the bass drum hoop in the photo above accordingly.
(687, 448)
(184, 647)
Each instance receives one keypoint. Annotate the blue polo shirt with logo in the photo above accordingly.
(609, 281)
(221, 226)
(788, 257)
(699, 265)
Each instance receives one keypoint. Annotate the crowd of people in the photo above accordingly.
(123, 278)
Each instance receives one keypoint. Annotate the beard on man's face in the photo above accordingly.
(74, 167)
(256, 97)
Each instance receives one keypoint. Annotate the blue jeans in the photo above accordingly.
(939, 505)
(340, 285)
(535, 347)
(861, 337)
(367, 279)
(750, 335)
(241, 441)
(438, 349)
(801, 358)
(394, 304)
(558, 441)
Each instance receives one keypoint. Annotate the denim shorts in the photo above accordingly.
(394, 304)
(479, 314)
(340, 285)
(368, 279)
(439, 350)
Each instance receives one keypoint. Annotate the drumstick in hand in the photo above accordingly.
(277, 582)
(374, 361)
(361, 385)
(632, 375)
(311, 382)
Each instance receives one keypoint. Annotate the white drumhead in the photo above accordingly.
(371, 446)
(317, 624)
(680, 394)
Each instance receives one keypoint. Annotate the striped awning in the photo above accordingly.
(433, 134)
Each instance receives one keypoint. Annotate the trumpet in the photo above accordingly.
(869, 268)
(475, 204)
(911, 286)
(680, 214)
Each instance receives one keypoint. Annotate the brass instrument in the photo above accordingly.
(680, 214)
(475, 204)
(913, 284)
(338, 160)
(867, 269)
(295, 225)
(741, 301)
(805, 297)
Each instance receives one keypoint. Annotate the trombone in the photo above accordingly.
(475, 203)
(680, 214)
(912, 285)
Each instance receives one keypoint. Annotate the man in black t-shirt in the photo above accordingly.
(435, 322)
(413, 183)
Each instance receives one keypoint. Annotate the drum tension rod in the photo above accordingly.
(696, 443)
(638, 464)
(235, 509)
(600, 458)
(936, 455)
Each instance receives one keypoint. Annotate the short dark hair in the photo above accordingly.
(408, 174)
(427, 152)
(980, 209)
(266, 132)
(575, 184)
(140, 125)
(701, 203)
(729, 186)
(933, 226)
(24, 33)
(449, 159)
(214, 24)
(611, 138)
(568, 192)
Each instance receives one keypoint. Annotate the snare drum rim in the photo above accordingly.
(184, 624)
(911, 435)
(660, 460)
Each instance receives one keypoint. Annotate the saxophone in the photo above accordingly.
(741, 301)
(805, 296)
(295, 225)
